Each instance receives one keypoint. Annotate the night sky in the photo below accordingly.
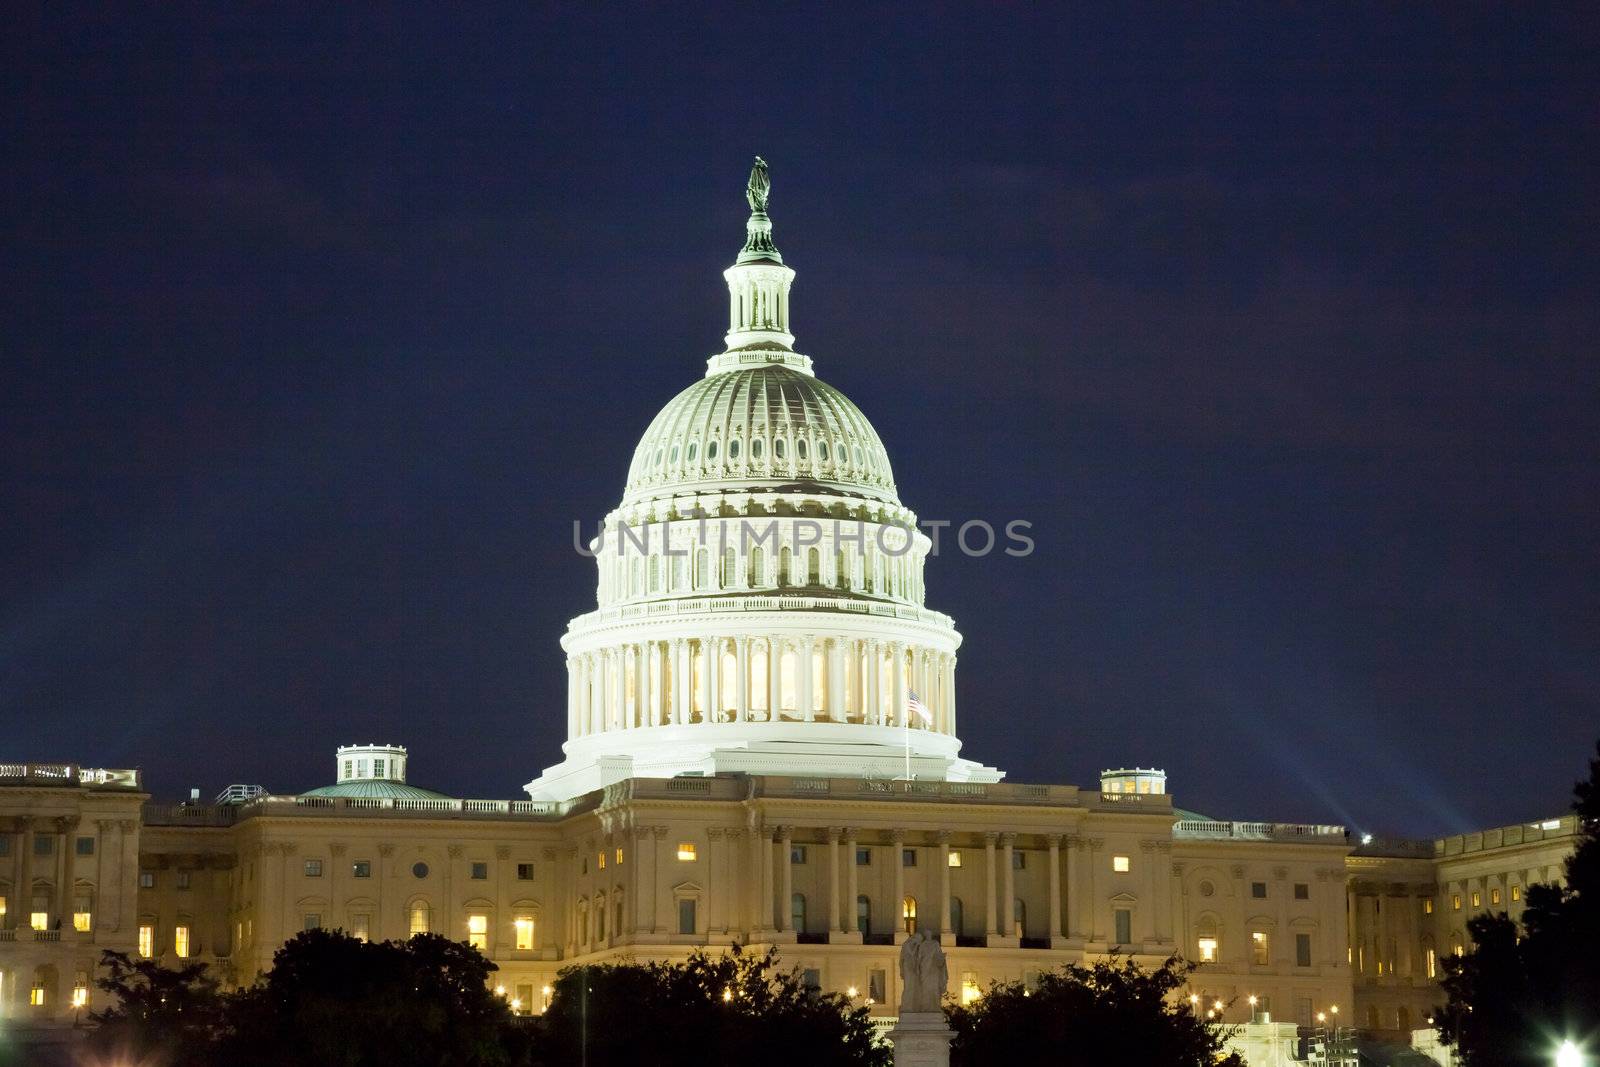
(1281, 327)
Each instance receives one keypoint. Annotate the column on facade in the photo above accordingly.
(775, 652)
(714, 862)
(950, 694)
(642, 654)
(1075, 892)
(836, 709)
(1054, 841)
(1008, 865)
(1164, 930)
(658, 845)
(944, 886)
(18, 914)
(764, 852)
(992, 928)
(897, 841)
(710, 668)
(1147, 915)
(1092, 904)
(742, 645)
(847, 921)
(617, 713)
(808, 701)
(66, 827)
(786, 865)
(897, 685)
(872, 698)
(834, 833)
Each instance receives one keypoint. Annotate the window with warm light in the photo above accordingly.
(1516, 892)
(1433, 964)
(1121, 864)
(524, 927)
(600, 860)
(1259, 949)
(478, 932)
(180, 941)
(1427, 906)
(619, 855)
(82, 916)
(361, 926)
(908, 914)
(1477, 899)
(955, 858)
(686, 852)
(147, 940)
(36, 995)
(1455, 902)
(969, 987)
(39, 919)
(80, 990)
(1494, 896)
(419, 919)
(1208, 950)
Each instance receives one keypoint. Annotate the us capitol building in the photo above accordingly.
(762, 748)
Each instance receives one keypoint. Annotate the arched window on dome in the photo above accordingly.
(841, 570)
(755, 448)
(733, 450)
(800, 450)
(636, 578)
(711, 451)
(777, 448)
(675, 574)
(822, 451)
(693, 447)
(655, 574)
(860, 461)
(785, 566)
(758, 678)
(672, 457)
(789, 683)
(702, 568)
(758, 573)
(730, 568)
(660, 455)
(813, 574)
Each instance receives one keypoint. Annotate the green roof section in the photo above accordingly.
(376, 789)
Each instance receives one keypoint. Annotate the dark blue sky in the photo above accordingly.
(1281, 327)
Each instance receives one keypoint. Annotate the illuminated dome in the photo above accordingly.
(759, 603)
(765, 426)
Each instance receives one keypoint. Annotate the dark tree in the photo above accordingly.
(1511, 1000)
(720, 1010)
(167, 1015)
(335, 1001)
(1112, 1012)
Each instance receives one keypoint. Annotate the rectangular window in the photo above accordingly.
(147, 879)
(361, 869)
(600, 860)
(1260, 951)
(1433, 964)
(1124, 923)
(1427, 905)
(1477, 899)
(311, 921)
(419, 920)
(478, 932)
(44, 846)
(686, 852)
(182, 879)
(313, 868)
(955, 858)
(180, 941)
(619, 855)
(377, 768)
(39, 917)
(82, 915)
(969, 987)
(811, 978)
(1258, 890)
(80, 989)
(1019, 860)
(686, 923)
(1302, 891)
(877, 986)
(480, 871)
(1516, 892)
(85, 846)
(908, 857)
(1455, 901)
(361, 927)
(522, 1003)
(1121, 864)
(147, 940)
(1494, 896)
(1208, 950)
(797, 854)
(524, 872)
(5, 844)
(349, 768)
(863, 857)
(36, 994)
(1302, 950)
(523, 924)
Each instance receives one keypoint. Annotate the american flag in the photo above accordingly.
(919, 709)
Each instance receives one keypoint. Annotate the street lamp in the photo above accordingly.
(1568, 1055)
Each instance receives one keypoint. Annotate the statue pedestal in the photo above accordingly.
(921, 1039)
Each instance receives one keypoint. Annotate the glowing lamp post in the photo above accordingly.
(1568, 1055)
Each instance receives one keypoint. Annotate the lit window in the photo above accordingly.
(1455, 901)
(180, 941)
(147, 940)
(600, 860)
(1494, 896)
(361, 869)
(1208, 950)
(419, 919)
(2, 909)
(82, 916)
(1259, 948)
(619, 854)
(955, 858)
(524, 928)
(1459, 948)
(1121, 864)
(313, 868)
(1427, 906)
(686, 851)
(361, 927)
(80, 990)
(908, 914)
(39, 918)
(36, 994)
(969, 987)
(480, 871)
(1516, 892)
(1477, 899)
(1433, 963)
(478, 932)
